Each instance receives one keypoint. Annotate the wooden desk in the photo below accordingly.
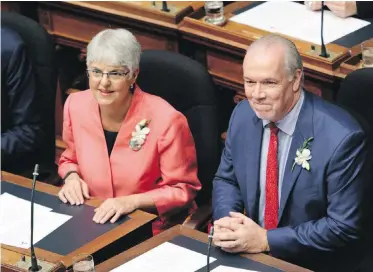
(74, 23)
(353, 63)
(224, 48)
(180, 230)
(134, 231)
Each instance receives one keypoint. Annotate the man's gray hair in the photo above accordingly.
(293, 60)
(115, 47)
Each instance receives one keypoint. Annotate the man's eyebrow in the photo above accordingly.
(270, 79)
(263, 80)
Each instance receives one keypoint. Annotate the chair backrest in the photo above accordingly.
(356, 96)
(356, 93)
(188, 87)
(40, 48)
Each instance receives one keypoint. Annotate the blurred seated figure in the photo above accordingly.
(21, 129)
(128, 147)
(344, 9)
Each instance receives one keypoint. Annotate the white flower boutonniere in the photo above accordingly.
(139, 135)
(303, 155)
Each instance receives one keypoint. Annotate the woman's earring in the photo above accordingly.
(132, 87)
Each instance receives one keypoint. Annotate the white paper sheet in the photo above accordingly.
(166, 257)
(14, 210)
(223, 268)
(10, 204)
(297, 21)
(44, 224)
(15, 220)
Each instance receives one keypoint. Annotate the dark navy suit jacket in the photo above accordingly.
(321, 210)
(21, 132)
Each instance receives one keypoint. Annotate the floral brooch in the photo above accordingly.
(139, 135)
(303, 155)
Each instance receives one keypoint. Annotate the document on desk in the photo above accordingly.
(223, 268)
(15, 221)
(166, 257)
(297, 21)
(15, 210)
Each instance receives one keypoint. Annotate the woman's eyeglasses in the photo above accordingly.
(114, 75)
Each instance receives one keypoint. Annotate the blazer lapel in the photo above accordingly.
(303, 131)
(253, 145)
(98, 149)
(129, 123)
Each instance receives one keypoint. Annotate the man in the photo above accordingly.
(21, 132)
(294, 164)
(344, 9)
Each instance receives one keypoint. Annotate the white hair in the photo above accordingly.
(293, 60)
(115, 47)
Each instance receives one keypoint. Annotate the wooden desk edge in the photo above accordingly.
(134, 12)
(11, 255)
(180, 230)
(138, 219)
(40, 186)
(193, 29)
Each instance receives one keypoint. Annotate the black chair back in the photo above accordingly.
(40, 48)
(188, 87)
(356, 93)
(356, 96)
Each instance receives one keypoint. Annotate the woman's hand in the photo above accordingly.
(74, 190)
(114, 208)
(342, 9)
(313, 5)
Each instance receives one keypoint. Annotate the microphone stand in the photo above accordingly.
(165, 7)
(209, 248)
(34, 263)
(323, 54)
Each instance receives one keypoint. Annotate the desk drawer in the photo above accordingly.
(226, 69)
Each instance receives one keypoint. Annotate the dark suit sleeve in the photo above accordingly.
(24, 136)
(364, 9)
(342, 224)
(226, 196)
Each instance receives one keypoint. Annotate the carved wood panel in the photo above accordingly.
(76, 31)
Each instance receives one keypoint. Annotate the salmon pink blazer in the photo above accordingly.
(165, 167)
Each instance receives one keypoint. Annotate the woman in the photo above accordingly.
(126, 146)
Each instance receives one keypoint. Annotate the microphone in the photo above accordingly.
(34, 263)
(323, 54)
(209, 248)
(164, 6)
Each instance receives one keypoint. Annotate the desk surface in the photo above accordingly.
(137, 219)
(196, 235)
(226, 47)
(144, 11)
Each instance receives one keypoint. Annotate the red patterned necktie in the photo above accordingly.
(271, 203)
